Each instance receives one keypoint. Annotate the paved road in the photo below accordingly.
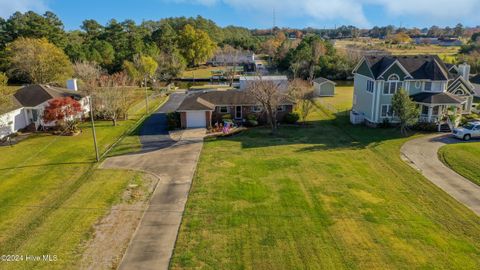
(422, 154)
(154, 132)
(174, 163)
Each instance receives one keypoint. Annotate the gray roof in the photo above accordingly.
(437, 98)
(208, 100)
(459, 80)
(475, 79)
(321, 80)
(265, 78)
(476, 89)
(421, 67)
(36, 94)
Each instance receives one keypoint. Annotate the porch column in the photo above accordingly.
(430, 109)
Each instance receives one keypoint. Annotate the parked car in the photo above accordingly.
(468, 131)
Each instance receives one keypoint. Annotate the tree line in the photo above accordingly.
(174, 43)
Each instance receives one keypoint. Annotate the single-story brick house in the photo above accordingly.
(323, 87)
(202, 110)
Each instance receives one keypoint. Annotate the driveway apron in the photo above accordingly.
(174, 163)
(422, 154)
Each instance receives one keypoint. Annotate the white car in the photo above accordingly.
(468, 131)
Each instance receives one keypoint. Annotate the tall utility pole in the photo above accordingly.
(93, 130)
(146, 96)
(274, 21)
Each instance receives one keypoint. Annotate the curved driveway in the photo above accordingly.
(422, 154)
(174, 163)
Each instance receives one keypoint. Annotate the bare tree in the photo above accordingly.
(318, 50)
(114, 96)
(302, 92)
(228, 56)
(89, 73)
(269, 95)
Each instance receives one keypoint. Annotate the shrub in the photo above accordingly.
(252, 117)
(173, 120)
(385, 123)
(469, 118)
(291, 118)
(430, 127)
(227, 116)
(252, 123)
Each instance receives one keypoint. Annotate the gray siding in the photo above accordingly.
(326, 89)
(395, 69)
(363, 100)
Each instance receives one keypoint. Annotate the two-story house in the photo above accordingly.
(434, 87)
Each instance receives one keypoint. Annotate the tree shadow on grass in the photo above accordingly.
(45, 165)
(329, 134)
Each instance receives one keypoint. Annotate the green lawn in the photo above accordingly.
(342, 101)
(329, 196)
(464, 159)
(51, 193)
(203, 72)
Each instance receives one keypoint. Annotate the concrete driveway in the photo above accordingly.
(174, 163)
(422, 154)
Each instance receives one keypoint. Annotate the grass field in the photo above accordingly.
(329, 196)
(464, 159)
(448, 54)
(51, 193)
(203, 72)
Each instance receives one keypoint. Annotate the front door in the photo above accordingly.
(238, 112)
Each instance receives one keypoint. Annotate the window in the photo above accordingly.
(392, 85)
(223, 109)
(435, 110)
(370, 86)
(280, 108)
(428, 86)
(257, 109)
(387, 111)
(425, 110)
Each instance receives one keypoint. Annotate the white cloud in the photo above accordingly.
(353, 11)
(8, 7)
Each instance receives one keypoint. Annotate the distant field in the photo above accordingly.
(448, 54)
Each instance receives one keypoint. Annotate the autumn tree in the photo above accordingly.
(405, 110)
(318, 50)
(114, 97)
(302, 93)
(4, 93)
(89, 74)
(38, 60)
(195, 45)
(63, 112)
(146, 66)
(5, 101)
(269, 95)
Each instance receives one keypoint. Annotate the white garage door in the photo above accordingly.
(196, 119)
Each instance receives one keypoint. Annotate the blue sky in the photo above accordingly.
(259, 13)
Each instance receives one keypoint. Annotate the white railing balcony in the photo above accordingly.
(425, 119)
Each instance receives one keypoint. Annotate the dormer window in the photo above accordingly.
(392, 85)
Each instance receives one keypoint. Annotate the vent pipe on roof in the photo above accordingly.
(72, 84)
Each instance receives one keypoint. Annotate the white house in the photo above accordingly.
(28, 104)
